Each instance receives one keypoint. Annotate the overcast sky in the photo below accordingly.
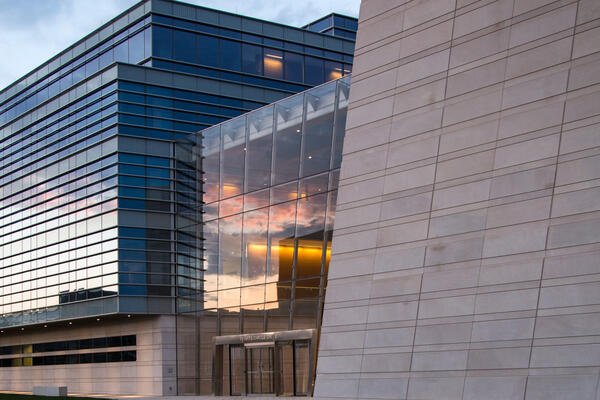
(35, 30)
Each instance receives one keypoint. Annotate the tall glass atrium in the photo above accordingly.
(254, 233)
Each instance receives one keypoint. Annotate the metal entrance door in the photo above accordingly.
(260, 369)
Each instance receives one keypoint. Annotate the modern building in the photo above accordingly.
(92, 270)
(463, 260)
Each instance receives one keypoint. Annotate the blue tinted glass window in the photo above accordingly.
(132, 192)
(91, 67)
(135, 204)
(105, 58)
(161, 183)
(132, 181)
(230, 54)
(226, 101)
(132, 278)
(273, 42)
(162, 91)
(131, 119)
(252, 59)
(208, 29)
(293, 67)
(132, 169)
(208, 50)
(208, 109)
(132, 244)
(157, 161)
(121, 52)
(184, 46)
(131, 158)
(136, 48)
(133, 232)
(313, 51)
(184, 24)
(131, 108)
(132, 97)
(229, 33)
(132, 290)
(293, 46)
(162, 42)
(251, 38)
(313, 70)
(158, 172)
(147, 42)
(188, 69)
(184, 94)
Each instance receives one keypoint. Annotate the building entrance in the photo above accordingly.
(273, 363)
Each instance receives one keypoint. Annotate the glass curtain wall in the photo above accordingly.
(260, 224)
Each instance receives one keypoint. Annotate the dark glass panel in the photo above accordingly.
(162, 42)
(184, 46)
(128, 355)
(252, 59)
(113, 356)
(293, 64)
(129, 340)
(340, 122)
(313, 70)
(230, 54)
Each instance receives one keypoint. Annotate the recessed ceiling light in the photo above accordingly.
(45, 326)
(70, 323)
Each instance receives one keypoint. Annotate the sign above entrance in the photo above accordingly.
(266, 337)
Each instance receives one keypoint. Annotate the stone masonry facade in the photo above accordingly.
(466, 252)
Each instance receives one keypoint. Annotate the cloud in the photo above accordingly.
(33, 31)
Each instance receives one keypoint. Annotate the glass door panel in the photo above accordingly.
(237, 370)
(301, 361)
(259, 371)
(286, 369)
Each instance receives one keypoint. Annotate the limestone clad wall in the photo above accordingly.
(152, 374)
(466, 251)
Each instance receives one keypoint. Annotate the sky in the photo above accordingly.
(33, 31)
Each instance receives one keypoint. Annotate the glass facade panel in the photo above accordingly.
(259, 149)
(288, 129)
